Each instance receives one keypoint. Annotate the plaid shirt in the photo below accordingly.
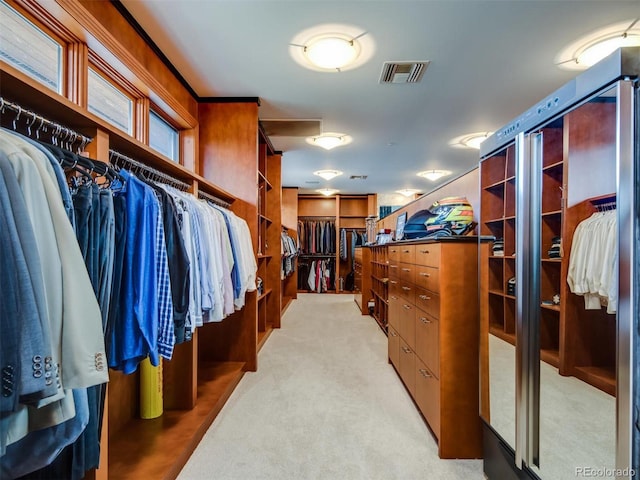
(166, 334)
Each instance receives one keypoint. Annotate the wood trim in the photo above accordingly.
(108, 47)
(255, 100)
(152, 45)
(77, 73)
(45, 19)
(141, 120)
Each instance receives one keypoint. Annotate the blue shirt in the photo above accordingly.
(135, 331)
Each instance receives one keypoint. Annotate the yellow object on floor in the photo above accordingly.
(151, 405)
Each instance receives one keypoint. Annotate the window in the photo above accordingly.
(163, 137)
(29, 49)
(109, 103)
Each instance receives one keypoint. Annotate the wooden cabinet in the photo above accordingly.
(347, 212)
(433, 309)
(578, 342)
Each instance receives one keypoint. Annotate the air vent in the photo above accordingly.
(312, 182)
(403, 72)
(291, 127)
(358, 177)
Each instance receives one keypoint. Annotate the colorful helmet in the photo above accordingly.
(452, 214)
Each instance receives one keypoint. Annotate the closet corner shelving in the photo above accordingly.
(269, 240)
(289, 209)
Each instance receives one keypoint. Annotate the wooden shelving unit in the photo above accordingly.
(578, 342)
(269, 241)
(346, 211)
(203, 372)
(380, 284)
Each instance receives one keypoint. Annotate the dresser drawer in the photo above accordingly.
(428, 341)
(407, 272)
(394, 347)
(407, 291)
(427, 277)
(395, 307)
(407, 253)
(428, 254)
(408, 323)
(394, 253)
(394, 287)
(408, 367)
(428, 301)
(394, 269)
(427, 395)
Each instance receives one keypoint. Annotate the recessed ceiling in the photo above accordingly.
(489, 61)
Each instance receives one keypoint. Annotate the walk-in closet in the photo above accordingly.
(319, 240)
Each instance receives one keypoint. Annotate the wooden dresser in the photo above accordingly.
(434, 336)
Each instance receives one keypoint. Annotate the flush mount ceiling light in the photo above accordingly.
(328, 174)
(407, 192)
(592, 48)
(332, 47)
(327, 191)
(434, 175)
(470, 140)
(329, 140)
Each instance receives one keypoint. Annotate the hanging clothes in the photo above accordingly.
(97, 276)
(288, 251)
(593, 260)
(68, 326)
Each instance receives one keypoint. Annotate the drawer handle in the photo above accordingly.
(425, 320)
(424, 251)
(425, 374)
(423, 274)
(406, 289)
(406, 269)
(393, 282)
(406, 350)
(424, 297)
(406, 251)
(393, 297)
(393, 266)
(394, 334)
(406, 307)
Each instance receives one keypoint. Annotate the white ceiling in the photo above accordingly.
(490, 60)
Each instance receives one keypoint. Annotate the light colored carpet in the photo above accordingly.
(324, 404)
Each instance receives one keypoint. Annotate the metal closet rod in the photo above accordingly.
(213, 199)
(118, 159)
(43, 124)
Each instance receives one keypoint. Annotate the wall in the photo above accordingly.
(465, 185)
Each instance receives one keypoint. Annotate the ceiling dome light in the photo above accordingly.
(470, 140)
(332, 52)
(332, 47)
(592, 48)
(407, 192)
(328, 174)
(434, 175)
(327, 191)
(329, 140)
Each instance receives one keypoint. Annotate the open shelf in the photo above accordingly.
(600, 377)
(139, 449)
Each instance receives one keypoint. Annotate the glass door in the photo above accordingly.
(576, 318)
